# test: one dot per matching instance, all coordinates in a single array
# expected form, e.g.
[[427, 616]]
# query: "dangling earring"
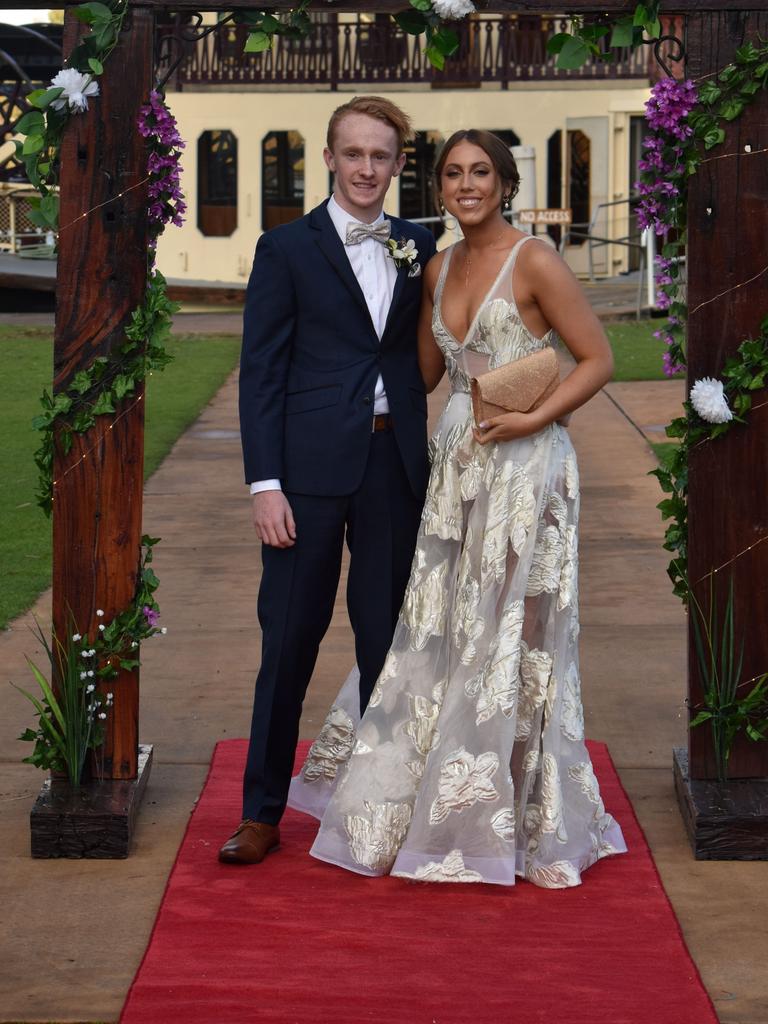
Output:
[[507, 200], [442, 208]]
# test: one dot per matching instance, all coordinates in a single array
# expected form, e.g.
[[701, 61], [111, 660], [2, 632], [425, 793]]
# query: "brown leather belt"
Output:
[[382, 421]]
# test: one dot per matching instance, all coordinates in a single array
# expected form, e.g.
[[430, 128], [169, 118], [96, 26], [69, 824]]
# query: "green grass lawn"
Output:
[[174, 400], [636, 353]]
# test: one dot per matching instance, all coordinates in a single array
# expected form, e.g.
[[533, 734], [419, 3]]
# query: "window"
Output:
[[507, 135], [217, 183], [579, 180], [282, 178], [555, 180], [416, 199], [638, 129]]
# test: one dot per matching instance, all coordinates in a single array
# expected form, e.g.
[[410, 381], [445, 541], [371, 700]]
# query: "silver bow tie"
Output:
[[357, 232]]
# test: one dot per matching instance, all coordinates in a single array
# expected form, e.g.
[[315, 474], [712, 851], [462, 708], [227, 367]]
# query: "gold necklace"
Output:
[[468, 260]]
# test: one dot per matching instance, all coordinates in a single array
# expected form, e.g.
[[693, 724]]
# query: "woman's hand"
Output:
[[509, 427]]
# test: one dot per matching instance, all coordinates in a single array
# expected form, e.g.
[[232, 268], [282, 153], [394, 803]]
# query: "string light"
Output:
[[93, 447], [727, 291], [736, 557], [747, 151], [113, 199]]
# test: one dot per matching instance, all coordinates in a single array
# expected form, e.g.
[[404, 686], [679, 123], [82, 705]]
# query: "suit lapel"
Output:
[[400, 280], [333, 249]]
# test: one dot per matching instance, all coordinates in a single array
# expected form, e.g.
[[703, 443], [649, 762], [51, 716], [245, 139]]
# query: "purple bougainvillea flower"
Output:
[[150, 615]]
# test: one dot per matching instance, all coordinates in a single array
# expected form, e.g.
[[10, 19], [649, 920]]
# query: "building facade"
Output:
[[255, 129]]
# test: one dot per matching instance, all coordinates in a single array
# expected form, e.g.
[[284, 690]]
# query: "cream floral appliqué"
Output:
[[464, 779], [375, 839], [332, 747], [450, 869]]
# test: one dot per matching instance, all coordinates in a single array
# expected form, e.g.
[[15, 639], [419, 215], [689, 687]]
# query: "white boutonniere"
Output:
[[403, 254]]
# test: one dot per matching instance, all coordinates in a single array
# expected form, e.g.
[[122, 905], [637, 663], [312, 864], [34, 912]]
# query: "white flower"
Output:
[[86, 654], [163, 630], [109, 696], [92, 651], [102, 626], [453, 9], [83, 675], [403, 254], [76, 87], [90, 688], [90, 674], [100, 612], [102, 715], [709, 401], [134, 645], [76, 637]]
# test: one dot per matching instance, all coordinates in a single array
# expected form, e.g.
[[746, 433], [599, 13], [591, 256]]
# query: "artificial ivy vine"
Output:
[[686, 126]]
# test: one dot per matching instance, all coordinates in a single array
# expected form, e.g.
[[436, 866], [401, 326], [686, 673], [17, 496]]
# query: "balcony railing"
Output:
[[499, 50]]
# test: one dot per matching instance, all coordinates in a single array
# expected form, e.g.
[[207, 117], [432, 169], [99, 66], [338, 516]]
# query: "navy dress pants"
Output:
[[298, 589]]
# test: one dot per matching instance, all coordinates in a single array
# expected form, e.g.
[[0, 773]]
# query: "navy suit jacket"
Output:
[[311, 357]]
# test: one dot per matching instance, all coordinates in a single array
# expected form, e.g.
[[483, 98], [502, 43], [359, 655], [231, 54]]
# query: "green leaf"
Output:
[[32, 144], [103, 403], [412, 22], [731, 109], [714, 137], [574, 54], [32, 123], [38, 218], [435, 56], [623, 33], [700, 719], [81, 382], [557, 42], [747, 54], [93, 13], [257, 42], [446, 41], [709, 93], [422, 5], [123, 385], [104, 36], [96, 66], [49, 207]]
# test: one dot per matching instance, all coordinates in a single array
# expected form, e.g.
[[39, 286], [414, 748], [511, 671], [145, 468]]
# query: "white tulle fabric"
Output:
[[469, 764]]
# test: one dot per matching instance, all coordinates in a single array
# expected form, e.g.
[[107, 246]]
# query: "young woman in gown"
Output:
[[469, 764]]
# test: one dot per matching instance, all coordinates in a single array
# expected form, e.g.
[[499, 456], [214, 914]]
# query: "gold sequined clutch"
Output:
[[519, 386]]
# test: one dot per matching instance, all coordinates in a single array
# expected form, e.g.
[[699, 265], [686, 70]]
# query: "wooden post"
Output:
[[728, 227], [727, 288], [102, 273]]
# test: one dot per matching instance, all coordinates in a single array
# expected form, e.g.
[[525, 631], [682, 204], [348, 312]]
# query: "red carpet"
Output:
[[297, 941]]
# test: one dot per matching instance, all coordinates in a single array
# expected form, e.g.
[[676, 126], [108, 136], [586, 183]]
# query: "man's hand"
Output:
[[273, 519]]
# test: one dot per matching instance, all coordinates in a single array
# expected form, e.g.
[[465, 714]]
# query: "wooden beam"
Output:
[[728, 226], [393, 6], [101, 278]]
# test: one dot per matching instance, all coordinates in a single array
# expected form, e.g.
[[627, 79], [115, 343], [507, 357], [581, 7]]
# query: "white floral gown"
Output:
[[469, 764]]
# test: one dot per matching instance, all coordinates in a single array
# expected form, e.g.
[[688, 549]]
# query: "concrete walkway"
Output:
[[74, 931]]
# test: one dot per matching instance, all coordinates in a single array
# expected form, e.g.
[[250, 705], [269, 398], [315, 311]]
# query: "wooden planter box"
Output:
[[95, 820], [724, 820]]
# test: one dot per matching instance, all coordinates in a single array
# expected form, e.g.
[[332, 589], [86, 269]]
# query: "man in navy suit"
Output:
[[333, 420]]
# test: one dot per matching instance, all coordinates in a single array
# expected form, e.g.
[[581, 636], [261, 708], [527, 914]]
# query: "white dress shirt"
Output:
[[376, 274]]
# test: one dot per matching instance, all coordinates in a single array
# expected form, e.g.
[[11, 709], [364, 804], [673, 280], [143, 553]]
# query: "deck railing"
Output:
[[498, 50]]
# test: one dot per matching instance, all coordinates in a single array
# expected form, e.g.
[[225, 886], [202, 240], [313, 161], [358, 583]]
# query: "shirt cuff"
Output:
[[265, 485]]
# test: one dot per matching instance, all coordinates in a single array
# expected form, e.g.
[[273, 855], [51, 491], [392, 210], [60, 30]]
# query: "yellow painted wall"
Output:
[[533, 111]]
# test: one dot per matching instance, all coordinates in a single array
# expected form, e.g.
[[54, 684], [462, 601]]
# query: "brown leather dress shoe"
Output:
[[251, 843]]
